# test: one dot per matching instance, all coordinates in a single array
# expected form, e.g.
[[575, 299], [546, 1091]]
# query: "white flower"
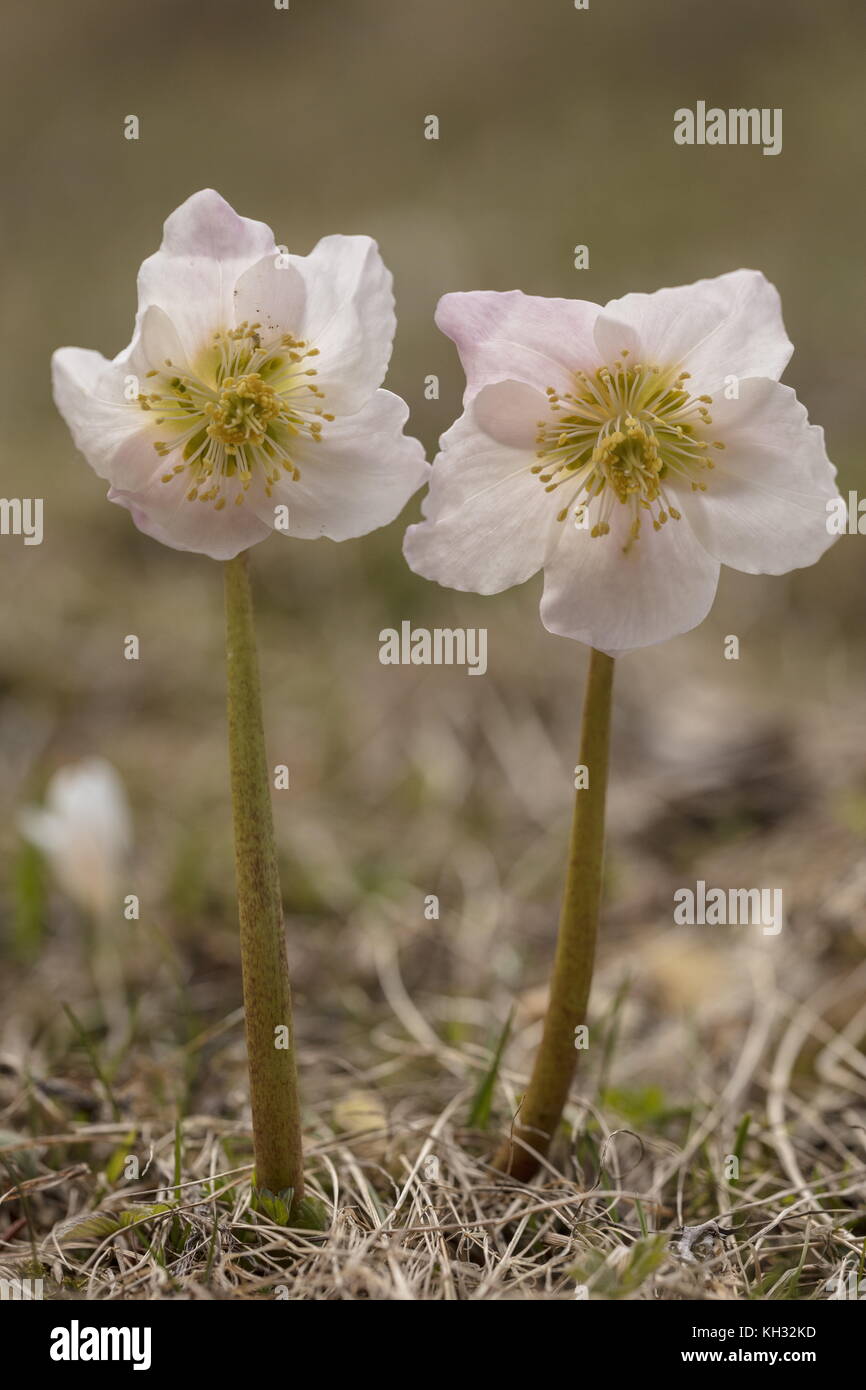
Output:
[[85, 832], [250, 385], [628, 451]]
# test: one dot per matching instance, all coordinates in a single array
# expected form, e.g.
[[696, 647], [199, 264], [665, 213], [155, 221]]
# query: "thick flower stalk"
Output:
[[267, 995], [627, 452], [249, 401], [571, 978]]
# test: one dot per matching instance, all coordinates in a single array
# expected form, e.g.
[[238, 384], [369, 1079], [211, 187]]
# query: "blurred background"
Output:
[[556, 128]]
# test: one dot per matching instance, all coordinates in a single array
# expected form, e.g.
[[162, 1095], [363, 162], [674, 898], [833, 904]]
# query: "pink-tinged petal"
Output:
[[594, 592], [723, 327], [358, 478], [206, 247], [163, 511], [348, 315], [765, 507], [519, 337], [489, 522], [88, 392]]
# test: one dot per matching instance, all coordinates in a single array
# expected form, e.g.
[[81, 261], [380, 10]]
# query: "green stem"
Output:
[[552, 1074], [267, 996]]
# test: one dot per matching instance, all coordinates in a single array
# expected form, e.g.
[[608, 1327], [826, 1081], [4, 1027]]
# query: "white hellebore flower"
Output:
[[248, 396], [628, 451], [85, 832]]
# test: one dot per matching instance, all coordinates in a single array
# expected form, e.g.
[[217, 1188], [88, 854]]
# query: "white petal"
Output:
[[115, 435], [89, 796], [358, 478], [156, 343], [163, 511], [271, 293], [206, 247], [41, 828], [727, 326], [88, 392], [85, 831], [519, 337], [765, 507], [617, 602], [348, 314], [510, 413], [489, 522]]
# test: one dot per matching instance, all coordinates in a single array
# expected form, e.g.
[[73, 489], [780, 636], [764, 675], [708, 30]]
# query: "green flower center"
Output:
[[245, 408], [238, 412], [620, 435]]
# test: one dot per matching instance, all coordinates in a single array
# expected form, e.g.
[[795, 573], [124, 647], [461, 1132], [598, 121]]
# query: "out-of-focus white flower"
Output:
[[628, 451], [248, 398], [85, 832]]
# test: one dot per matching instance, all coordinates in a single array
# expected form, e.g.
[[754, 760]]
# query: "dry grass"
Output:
[[415, 1212], [705, 1043]]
